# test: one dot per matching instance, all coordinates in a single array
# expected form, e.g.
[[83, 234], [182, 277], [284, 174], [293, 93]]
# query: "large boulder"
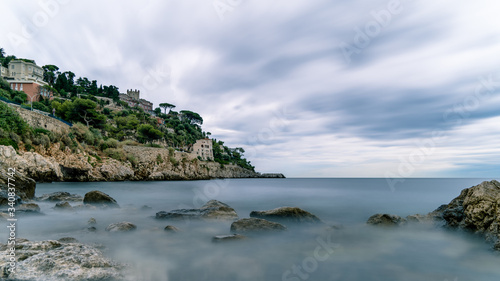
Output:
[[60, 196], [121, 227], [255, 225], [476, 209], [385, 220], [213, 209], [100, 199], [4, 199], [56, 261], [25, 186], [286, 214]]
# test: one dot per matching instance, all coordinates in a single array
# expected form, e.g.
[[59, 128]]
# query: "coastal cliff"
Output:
[[147, 163]]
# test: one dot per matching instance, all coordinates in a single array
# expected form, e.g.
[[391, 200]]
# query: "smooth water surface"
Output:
[[350, 251]]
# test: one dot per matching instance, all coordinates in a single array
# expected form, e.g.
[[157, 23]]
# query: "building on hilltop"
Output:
[[26, 77], [203, 149], [132, 98]]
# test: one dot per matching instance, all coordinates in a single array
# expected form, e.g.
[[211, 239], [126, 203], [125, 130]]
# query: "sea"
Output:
[[343, 248]]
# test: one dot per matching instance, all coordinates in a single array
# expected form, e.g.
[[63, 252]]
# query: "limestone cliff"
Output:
[[149, 163]]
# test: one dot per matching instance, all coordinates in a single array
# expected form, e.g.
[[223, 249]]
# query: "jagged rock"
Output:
[[476, 209], [286, 214], [213, 209], [4, 199], [91, 221], [63, 206], [171, 228], [25, 186], [56, 261], [67, 240], [99, 199], [385, 220], [224, 238], [60, 196], [121, 227], [255, 225]]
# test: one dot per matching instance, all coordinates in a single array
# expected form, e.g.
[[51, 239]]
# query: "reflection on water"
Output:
[[350, 251]]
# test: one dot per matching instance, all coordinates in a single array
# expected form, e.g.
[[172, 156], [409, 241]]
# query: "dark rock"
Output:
[[63, 206], [100, 199], [91, 221], [67, 240], [213, 209], [60, 196], [4, 199], [121, 227], [171, 228], [29, 208], [25, 187], [92, 229], [56, 261], [146, 207], [224, 238], [255, 225], [385, 220], [286, 214]]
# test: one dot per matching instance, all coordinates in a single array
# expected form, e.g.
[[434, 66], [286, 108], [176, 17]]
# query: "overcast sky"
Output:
[[308, 88]]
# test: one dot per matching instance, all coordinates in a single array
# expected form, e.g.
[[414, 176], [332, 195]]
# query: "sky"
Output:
[[382, 88]]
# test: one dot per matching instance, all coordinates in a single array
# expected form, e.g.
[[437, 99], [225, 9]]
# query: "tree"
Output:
[[49, 73], [7, 60], [157, 111], [192, 117], [2, 53], [166, 106], [147, 133]]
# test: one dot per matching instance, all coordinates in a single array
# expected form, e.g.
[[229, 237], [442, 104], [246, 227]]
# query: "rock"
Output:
[[63, 206], [99, 199], [25, 186], [385, 220], [29, 208], [224, 238], [4, 199], [92, 229], [121, 227], [213, 209], [91, 221], [171, 228], [146, 207], [476, 209], [56, 261], [60, 196], [286, 214], [67, 240], [255, 225]]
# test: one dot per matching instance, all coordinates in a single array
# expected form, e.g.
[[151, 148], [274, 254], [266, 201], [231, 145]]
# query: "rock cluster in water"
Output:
[[476, 209]]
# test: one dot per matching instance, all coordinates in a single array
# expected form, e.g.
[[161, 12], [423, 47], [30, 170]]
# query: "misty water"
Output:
[[351, 250]]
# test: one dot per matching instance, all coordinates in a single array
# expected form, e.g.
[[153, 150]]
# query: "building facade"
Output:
[[203, 148], [26, 77]]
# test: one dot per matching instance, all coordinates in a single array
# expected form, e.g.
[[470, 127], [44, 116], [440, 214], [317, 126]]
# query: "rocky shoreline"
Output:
[[475, 210]]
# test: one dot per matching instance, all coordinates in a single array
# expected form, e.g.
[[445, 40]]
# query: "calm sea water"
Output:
[[351, 251]]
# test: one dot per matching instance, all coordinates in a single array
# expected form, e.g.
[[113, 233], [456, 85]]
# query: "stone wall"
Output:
[[37, 120]]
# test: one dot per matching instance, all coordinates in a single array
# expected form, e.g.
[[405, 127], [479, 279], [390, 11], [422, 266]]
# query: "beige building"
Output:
[[26, 77], [203, 148], [22, 70], [4, 71]]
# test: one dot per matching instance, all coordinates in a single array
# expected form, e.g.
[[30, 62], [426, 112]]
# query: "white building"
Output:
[[203, 148]]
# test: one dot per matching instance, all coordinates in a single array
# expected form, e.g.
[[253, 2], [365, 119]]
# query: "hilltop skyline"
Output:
[[324, 89]]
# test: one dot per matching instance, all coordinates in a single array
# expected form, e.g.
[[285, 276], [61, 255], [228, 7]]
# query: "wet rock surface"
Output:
[[100, 199], [213, 209], [386, 220], [254, 225], [286, 214], [121, 227], [60, 196], [57, 261]]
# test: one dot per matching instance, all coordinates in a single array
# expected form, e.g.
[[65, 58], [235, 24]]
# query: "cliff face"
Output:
[[52, 164]]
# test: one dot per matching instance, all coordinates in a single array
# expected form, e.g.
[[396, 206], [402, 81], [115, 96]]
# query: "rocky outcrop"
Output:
[[224, 238], [254, 225], [286, 214], [56, 261], [100, 199], [25, 186], [171, 229], [385, 220], [213, 209], [56, 164], [60, 196], [121, 227], [63, 206]]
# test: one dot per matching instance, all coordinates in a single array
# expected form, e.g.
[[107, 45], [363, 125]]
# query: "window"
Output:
[[21, 87], [13, 67]]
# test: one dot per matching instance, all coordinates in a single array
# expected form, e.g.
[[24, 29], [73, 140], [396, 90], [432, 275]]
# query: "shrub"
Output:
[[9, 142], [115, 153], [42, 140], [132, 159], [159, 160], [109, 143], [174, 161]]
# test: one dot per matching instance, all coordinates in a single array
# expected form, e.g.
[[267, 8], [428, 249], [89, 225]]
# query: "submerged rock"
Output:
[[255, 225], [29, 208], [224, 238], [171, 229], [213, 209], [100, 199], [91, 221], [56, 261], [386, 220], [286, 214], [67, 240], [121, 227], [60, 196], [63, 206]]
